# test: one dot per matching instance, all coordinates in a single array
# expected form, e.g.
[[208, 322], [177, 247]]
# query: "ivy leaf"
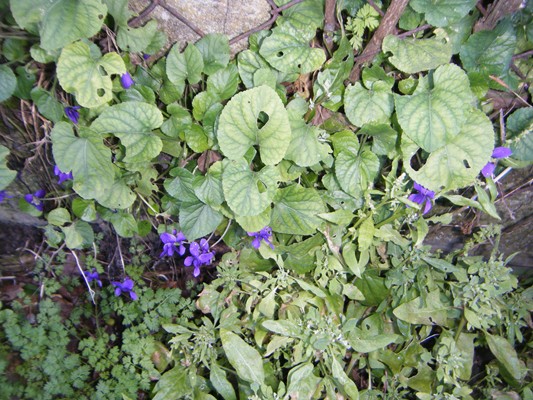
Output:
[[66, 21], [244, 358], [456, 164], [198, 219], [442, 13], [356, 172], [520, 134], [255, 117], [491, 51], [296, 210], [6, 175], [86, 156], [215, 52], [132, 122], [415, 55], [184, 66], [432, 117], [136, 39], [8, 82], [363, 106], [248, 193], [86, 76], [288, 50]]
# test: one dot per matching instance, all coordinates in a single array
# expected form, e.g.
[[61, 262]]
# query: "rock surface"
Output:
[[230, 17]]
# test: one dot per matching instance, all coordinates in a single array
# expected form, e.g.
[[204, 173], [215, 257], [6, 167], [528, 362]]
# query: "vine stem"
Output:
[[91, 292]]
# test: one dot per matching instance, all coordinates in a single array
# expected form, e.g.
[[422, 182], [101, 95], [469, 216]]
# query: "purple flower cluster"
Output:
[[264, 234], [126, 286], [199, 252]]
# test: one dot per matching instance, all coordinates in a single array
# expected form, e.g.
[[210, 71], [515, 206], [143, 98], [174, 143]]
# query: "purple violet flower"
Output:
[[72, 113], [498, 152], [264, 234], [146, 56], [200, 255], [125, 287], [93, 276], [4, 195], [424, 197], [35, 199], [126, 80], [62, 175], [171, 241]]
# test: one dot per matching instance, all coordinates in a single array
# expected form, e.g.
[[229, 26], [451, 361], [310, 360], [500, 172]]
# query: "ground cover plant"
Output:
[[252, 227]]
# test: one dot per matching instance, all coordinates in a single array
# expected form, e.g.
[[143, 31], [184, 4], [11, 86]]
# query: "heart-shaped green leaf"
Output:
[[198, 219], [355, 172], [255, 117], [363, 106], [86, 76], [442, 13], [184, 66], [132, 122]]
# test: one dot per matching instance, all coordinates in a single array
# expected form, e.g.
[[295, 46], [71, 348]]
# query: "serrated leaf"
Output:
[[248, 193], [198, 219], [217, 377], [288, 50], [489, 52], [184, 66], [433, 117], [442, 13], [296, 210], [8, 82], [415, 55], [86, 156], [66, 21], [244, 358], [215, 52], [6, 175], [136, 39], [427, 310], [132, 122], [363, 106], [456, 164], [86, 76], [78, 235], [520, 134], [242, 125], [356, 172]]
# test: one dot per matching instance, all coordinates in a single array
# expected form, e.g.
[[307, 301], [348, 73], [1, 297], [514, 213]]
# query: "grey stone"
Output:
[[230, 17]]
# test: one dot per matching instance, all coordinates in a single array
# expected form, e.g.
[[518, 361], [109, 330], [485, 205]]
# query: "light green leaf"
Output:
[[288, 50], [119, 10], [305, 148], [132, 122], [283, 327], [29, 13], [84, 209], [425, 311], [184, 66], [255, 117], [338, 217], [302, 382], [366, 234], [181, 186], [136, 39], [249, 62], [218, 379], [433, 117], [506, 355], [215, 52], [123, 222], [224, 82], [196, 138], [8, 82], [296, 210], [198, 219], [58, 216], [6, 175], [356, 266], [248, 193], [458, 163], [119, 196], [66, 21], [363, 106], [86, 76], [78, 235], [256, 222], [305, 15], [47, 104], [348, 386], [490, 51], [244, 358], [415, 55], [384, 138], [354, 172], [202, 102], [208, 188], [443, 12], [363, 341], [520, 134], [86, 156]]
